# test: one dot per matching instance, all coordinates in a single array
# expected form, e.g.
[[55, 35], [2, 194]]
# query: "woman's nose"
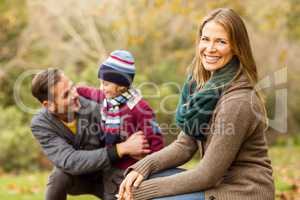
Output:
[[211, 47]]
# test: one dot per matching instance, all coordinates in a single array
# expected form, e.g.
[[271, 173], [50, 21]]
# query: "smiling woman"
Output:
[[221, 115], [214, 46]]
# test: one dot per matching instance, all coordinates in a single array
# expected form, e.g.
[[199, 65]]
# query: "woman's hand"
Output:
[[133, 179]]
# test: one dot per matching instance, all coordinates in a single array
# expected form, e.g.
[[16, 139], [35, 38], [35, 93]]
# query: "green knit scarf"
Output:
[[195, 108]]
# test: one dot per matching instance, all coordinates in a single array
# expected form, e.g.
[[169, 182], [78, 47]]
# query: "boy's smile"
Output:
[[110, 89]]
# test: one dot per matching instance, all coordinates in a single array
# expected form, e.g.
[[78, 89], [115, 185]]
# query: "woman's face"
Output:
[[214, 46]]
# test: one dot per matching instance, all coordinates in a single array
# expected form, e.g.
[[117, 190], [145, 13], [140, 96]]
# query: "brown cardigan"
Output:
[[235, 163]]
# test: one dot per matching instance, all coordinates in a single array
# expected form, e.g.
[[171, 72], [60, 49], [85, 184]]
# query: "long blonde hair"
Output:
[[240, 44]]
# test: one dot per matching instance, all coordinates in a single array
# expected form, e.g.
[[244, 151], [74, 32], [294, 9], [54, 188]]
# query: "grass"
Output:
[[285, 160], [28, 187]]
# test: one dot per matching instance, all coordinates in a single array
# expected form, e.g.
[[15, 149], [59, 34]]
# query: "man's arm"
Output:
[[70, 160]]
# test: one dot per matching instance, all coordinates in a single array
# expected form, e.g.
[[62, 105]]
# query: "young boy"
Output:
[[123, 110]]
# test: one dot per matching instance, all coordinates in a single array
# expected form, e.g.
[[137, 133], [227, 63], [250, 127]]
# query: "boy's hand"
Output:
[[135, 145]]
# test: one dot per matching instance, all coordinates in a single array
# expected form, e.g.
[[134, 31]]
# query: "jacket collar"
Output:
[[87, 107], [240, 82]]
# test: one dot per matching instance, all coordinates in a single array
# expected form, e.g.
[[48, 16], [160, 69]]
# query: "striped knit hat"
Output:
[[118, 68]]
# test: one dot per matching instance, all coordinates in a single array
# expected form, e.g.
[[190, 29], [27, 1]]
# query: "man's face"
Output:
[[65, 97]]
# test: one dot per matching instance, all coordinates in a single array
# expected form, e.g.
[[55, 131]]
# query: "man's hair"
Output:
[[43, 81]]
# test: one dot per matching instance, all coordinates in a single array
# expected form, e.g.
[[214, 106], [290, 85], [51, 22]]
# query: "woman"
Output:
[[222, 116]]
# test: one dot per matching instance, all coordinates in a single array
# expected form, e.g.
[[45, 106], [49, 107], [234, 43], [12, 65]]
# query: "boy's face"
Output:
[[110, 89]]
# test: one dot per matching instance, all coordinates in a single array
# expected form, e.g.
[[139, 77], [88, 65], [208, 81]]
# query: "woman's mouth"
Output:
[[211, 59]]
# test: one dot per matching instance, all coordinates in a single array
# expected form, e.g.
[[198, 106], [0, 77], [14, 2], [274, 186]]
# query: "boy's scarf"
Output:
[[110, 114], [195, 108]]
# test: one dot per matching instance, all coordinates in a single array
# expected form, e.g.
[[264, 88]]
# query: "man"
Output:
[[67, 128]]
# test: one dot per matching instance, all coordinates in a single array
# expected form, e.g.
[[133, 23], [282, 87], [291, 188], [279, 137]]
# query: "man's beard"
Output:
[[66, 114]]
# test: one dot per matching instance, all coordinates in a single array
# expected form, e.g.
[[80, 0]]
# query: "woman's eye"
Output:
[[222, 42], [204, 39]]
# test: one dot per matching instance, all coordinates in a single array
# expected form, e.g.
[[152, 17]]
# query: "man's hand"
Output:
[[136, 145], [133, 179]]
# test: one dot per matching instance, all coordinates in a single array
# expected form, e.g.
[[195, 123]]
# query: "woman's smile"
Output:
[[214, 47], [211, 59]]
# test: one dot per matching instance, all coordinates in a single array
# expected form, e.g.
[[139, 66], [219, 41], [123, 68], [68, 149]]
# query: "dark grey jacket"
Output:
[[77, 154]]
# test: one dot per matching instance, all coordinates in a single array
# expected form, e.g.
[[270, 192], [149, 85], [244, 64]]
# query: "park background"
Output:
[[76, 35]]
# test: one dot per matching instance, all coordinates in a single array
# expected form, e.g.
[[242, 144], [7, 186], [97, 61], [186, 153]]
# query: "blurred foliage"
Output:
[[13, 20], [18, 149], [294, 20], [38, 34]]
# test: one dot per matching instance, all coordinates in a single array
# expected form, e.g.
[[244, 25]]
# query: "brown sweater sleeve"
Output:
[[175, 154], [232, 121]]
